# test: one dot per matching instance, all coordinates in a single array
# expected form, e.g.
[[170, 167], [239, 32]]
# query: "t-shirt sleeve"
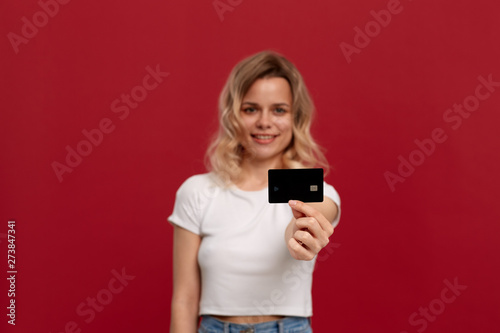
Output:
[[186, 212], [330, 192]]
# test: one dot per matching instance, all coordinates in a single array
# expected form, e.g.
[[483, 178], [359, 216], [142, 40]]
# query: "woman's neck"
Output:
[[253, 175]]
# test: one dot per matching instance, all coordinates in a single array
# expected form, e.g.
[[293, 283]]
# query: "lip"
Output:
[[264, 138]]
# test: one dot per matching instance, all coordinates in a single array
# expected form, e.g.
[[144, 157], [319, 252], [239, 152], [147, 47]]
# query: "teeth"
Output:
[[264, 137]]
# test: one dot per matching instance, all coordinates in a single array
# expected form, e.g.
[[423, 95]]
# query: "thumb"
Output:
[[296, 214]]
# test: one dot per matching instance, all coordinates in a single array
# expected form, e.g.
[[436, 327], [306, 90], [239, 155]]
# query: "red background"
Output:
[[393, 248]]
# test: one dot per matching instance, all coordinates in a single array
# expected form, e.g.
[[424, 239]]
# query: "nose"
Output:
[[264, 120]]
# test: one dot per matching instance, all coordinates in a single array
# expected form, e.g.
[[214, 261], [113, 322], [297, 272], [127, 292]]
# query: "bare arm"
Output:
[[310, 228], [186, 279]]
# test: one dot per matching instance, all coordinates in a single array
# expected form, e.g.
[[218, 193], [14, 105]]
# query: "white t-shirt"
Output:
[[245, 265]]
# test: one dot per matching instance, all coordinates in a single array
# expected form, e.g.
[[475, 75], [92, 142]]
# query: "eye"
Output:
[[280, 110], [249, 110]]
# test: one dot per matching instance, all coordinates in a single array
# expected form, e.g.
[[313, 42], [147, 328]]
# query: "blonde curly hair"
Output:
[[225, 153]]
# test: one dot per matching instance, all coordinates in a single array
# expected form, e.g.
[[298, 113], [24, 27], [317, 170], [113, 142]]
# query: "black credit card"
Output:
[[295, 184]]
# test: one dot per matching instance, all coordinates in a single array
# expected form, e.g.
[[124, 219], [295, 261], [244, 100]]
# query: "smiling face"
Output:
[[266, 114]]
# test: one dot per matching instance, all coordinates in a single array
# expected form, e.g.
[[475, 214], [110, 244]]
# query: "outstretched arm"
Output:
[[310, 228]]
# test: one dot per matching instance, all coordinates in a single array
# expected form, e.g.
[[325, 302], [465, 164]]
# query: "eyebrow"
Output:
[[275, 104]]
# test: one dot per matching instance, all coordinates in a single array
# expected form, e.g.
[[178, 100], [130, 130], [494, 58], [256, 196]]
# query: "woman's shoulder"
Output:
[[331, 192], [200, 183]]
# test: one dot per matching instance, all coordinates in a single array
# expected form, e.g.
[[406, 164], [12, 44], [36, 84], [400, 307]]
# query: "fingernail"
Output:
[[292, 202]]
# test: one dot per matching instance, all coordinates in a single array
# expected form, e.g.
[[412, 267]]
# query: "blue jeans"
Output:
[[286, 325]]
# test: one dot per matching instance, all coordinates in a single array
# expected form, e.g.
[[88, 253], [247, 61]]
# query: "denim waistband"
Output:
[[210, 324]]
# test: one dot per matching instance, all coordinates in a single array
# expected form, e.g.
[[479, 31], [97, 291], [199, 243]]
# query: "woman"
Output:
[[240, 263]]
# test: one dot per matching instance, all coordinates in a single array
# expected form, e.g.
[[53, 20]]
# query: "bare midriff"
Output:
[[248, 319]]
